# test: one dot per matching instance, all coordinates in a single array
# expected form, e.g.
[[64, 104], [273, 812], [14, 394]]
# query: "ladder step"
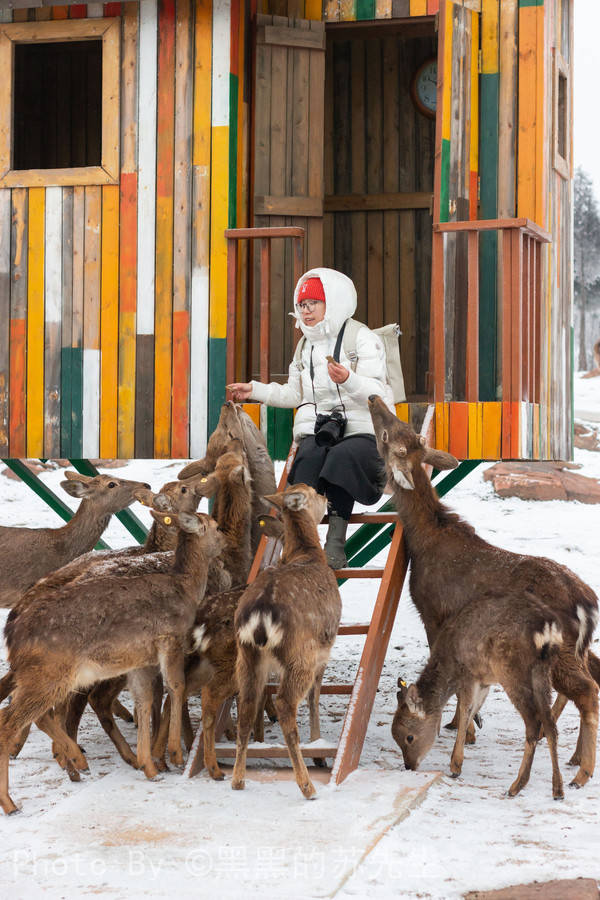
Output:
[[330, 688], [370, 518], [359, 573], [275, 751], [353, 629]]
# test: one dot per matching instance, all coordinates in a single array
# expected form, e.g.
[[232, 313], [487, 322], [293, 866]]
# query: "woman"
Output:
[[349, 469]]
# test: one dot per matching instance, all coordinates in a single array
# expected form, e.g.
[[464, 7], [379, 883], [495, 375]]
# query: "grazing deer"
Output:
[[102, 627], [27, 554], [497, 638], [286, 620], [235, 424], [452, 566]]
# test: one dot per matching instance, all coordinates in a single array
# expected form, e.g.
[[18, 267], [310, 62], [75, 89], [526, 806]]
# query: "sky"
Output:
[[586, 88]]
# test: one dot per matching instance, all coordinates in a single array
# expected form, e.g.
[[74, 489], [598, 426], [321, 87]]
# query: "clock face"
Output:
[[425, 87]]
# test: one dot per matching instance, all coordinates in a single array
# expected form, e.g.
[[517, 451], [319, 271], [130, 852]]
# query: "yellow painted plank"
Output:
[[403, 412], [442, 425], [313, 9], [418, 7], [253, 410], [475, 430], [218, 224], [35, 322], [109, 322], [489, 37], [492, 431], [447, 92]]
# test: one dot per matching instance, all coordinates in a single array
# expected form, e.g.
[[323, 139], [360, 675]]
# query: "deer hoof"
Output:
[[238, 784], [576, 785], [308, 790], [575, 760], [215, 773]]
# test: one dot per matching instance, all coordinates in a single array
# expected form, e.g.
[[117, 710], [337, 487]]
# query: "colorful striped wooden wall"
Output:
[[114, 321]]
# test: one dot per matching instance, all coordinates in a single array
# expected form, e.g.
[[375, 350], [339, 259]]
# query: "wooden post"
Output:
[[437, 318], [516, 313], [265, 317]]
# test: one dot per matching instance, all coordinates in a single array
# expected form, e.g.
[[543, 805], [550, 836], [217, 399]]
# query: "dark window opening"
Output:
[[57, 105], [562, 115]]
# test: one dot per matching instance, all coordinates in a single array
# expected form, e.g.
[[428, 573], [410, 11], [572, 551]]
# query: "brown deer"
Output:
[[27, 554], [497, 638], [132, 624], [235, 424], [286, 620], [452, 566]]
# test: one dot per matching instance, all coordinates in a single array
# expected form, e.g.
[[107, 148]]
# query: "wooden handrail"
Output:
[[521, 307], [265, 235]]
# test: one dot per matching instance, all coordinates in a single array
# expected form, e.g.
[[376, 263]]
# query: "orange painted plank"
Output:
[[516, 451], [403, 412], [35, 322], [492, 431], [442, 417], [163, 317], [458, 439], [253, 410], [127, 312], [475, 430], [181, 368]]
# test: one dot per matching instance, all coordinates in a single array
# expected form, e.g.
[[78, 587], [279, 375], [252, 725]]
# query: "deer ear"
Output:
[[414, 702], [271, 526], [191, 523], [439, 459], [75, 488], [383, 436], [274, 499], [241, 475], [146, 497], [295, 500], [77, 476], [199, 467]]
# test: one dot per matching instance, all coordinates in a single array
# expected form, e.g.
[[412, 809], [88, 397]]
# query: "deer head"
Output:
[[401, 448], [108, 492], [297, 497], [413, 729], [228, 429]]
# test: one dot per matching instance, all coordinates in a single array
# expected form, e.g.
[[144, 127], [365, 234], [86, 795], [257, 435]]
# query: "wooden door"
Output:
[[288, 162]]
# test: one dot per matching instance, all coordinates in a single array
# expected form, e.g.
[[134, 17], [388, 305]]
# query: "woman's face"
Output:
[[312, 311]]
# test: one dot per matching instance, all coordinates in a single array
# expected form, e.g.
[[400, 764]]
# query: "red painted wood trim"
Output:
[[458, 441], [506, 315], [79, 11], [516, 238], [111, 10]]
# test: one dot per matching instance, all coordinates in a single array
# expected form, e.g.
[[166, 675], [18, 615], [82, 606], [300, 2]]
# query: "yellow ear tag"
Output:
[[167, 520], [402, 683], [261, 522], [203, 480]]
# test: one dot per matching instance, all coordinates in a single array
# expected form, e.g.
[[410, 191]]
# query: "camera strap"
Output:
[[336, 356]]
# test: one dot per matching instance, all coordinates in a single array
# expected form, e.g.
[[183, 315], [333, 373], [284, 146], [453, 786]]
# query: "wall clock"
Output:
[[423, 88]]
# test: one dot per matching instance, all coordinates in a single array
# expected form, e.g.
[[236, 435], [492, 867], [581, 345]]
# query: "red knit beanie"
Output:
[[311, 289]]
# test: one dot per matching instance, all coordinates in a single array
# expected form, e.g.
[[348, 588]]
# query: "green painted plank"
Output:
[[217, 354], [445, 185], [524, 3], [131, 522], [488, 246], [45, 493], [365, 9], [233, 148], [76, 446], [279, 432]]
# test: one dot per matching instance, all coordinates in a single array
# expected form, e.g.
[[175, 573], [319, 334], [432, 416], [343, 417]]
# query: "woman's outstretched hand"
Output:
[[240, 390], [337, 372]]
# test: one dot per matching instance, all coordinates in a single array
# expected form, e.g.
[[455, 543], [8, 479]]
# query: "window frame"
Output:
[[561, 164], [61, 31]]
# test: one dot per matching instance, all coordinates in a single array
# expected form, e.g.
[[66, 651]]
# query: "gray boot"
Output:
[[334, 542]]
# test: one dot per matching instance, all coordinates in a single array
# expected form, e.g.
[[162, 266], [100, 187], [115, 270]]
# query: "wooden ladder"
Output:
[[346, 754]]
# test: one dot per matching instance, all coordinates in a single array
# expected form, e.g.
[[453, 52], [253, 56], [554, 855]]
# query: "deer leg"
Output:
[[286, 704], [525, 702], [157, 702], [464, 707], [67, 753], [18, 742], [140, 684], [159, 746], [571, 678], [172, 668], [314, 696], [102, 699], [251, 677], [213, 697], [258, 729], [270, 709], [121, 711], [7, 684], [72, 711], [187, 728]]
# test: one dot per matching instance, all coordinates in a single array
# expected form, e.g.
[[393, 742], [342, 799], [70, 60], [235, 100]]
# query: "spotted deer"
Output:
[[451, 567]]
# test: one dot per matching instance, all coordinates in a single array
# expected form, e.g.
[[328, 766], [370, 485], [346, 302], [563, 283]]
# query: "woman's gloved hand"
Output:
[[240, 390], [337, 372]]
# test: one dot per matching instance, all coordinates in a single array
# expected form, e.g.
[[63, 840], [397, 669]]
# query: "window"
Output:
[[561, 124], [59, 103]]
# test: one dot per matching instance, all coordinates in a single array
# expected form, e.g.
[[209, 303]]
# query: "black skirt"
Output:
[[353, 464]]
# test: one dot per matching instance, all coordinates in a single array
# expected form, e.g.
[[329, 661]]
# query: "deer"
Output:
[[497, 638], [235, 424], [28, 554], [286, 620], [102, 627], [452, 566]]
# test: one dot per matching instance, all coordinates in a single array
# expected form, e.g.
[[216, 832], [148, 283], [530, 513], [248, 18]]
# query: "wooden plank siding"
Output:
[[113, 315]]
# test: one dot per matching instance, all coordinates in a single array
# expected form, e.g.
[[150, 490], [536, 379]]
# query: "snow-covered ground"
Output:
[[117, 835]]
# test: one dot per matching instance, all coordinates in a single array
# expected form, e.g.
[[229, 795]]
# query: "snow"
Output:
[[118, 835]]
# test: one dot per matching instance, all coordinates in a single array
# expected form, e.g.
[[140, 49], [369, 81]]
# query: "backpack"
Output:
[[388, 334]]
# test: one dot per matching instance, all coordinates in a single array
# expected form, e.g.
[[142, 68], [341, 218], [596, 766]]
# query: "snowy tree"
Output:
[[587, 261]]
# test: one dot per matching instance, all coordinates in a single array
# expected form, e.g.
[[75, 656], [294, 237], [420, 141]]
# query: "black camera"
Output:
[[329, 429]]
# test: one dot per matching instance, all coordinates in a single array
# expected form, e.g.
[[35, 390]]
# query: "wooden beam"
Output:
[[387, 201], [288, 206]]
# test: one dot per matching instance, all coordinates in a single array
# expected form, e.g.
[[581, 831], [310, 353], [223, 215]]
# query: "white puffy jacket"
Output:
[[370, 376]]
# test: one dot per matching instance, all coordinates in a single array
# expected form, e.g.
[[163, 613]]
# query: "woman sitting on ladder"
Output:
[[337, 453]]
